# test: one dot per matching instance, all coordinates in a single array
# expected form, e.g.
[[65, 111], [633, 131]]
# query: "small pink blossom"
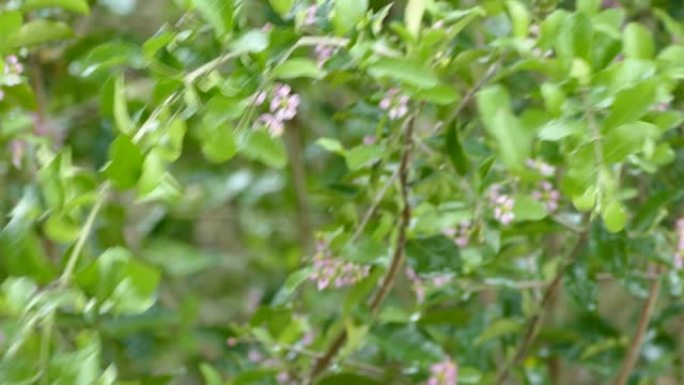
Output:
[[254, 356], [274, 125], [13, 66], [548, 195], [678, 259], [231, 342], [333, 272], [395, 104], [323, 54], [543, 168], [260, 98], [268, 27], [443, 373], [503, 209], [441, 280], [310, 18], [460, 234], [369, 140]]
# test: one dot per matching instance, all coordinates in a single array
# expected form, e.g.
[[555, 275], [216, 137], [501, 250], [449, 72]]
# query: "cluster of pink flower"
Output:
[[11, 66], [542, 167], [328, 270], [678, 260], [548, 195], [460, 234], [282, 107], [503, 205], [418, 284], [443, 373], [395, 103]]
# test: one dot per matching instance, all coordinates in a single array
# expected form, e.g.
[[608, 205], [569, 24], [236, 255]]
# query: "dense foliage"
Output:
[[341, 192]]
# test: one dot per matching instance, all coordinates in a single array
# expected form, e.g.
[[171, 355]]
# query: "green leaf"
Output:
[[495, 111], [253, 41], [499, 328], [125, 163], [413, 15], [218, 13], [61, 229], [211, 376], [440, 94], [219, 145], [120, 107], [406, 344], [433, 254], [347, 378], [520, 17], [404, 70], [614, 216], [455, 151], [10, 22], [38, 32], [298, 68], [120, 282], [258, 145], [363, 155], [627, 139], [155, 182], [528, 209], [631, 104], [637, 42], [347, 14], [282, 7], [332, 145], [78, 6], [575, 38], [590, 7]]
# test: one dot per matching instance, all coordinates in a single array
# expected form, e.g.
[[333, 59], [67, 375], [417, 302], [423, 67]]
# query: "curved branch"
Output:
[[638, 338], [535, 322], [397, 259]]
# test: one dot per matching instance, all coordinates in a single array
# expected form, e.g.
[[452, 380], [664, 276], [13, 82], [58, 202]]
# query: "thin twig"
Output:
[[535, 322], [397, 259], [638, 338], [374, 206], [489, 74]]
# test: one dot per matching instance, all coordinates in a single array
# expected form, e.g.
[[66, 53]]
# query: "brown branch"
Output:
[[397, 258], [638, 338], [535, 322]]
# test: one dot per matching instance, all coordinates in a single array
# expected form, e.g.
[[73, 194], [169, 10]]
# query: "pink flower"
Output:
[[327, 270], [283, 105], [268, 27], [461, 234], [311, 15], [503, 209], [274, 125], [543, 168], [13, 66], [441, 280], [259, 98], [548, 195], [254, 356], [369, 140], [678, 259], [443, 373], [323, 54], [395, 104], [231, 342]]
